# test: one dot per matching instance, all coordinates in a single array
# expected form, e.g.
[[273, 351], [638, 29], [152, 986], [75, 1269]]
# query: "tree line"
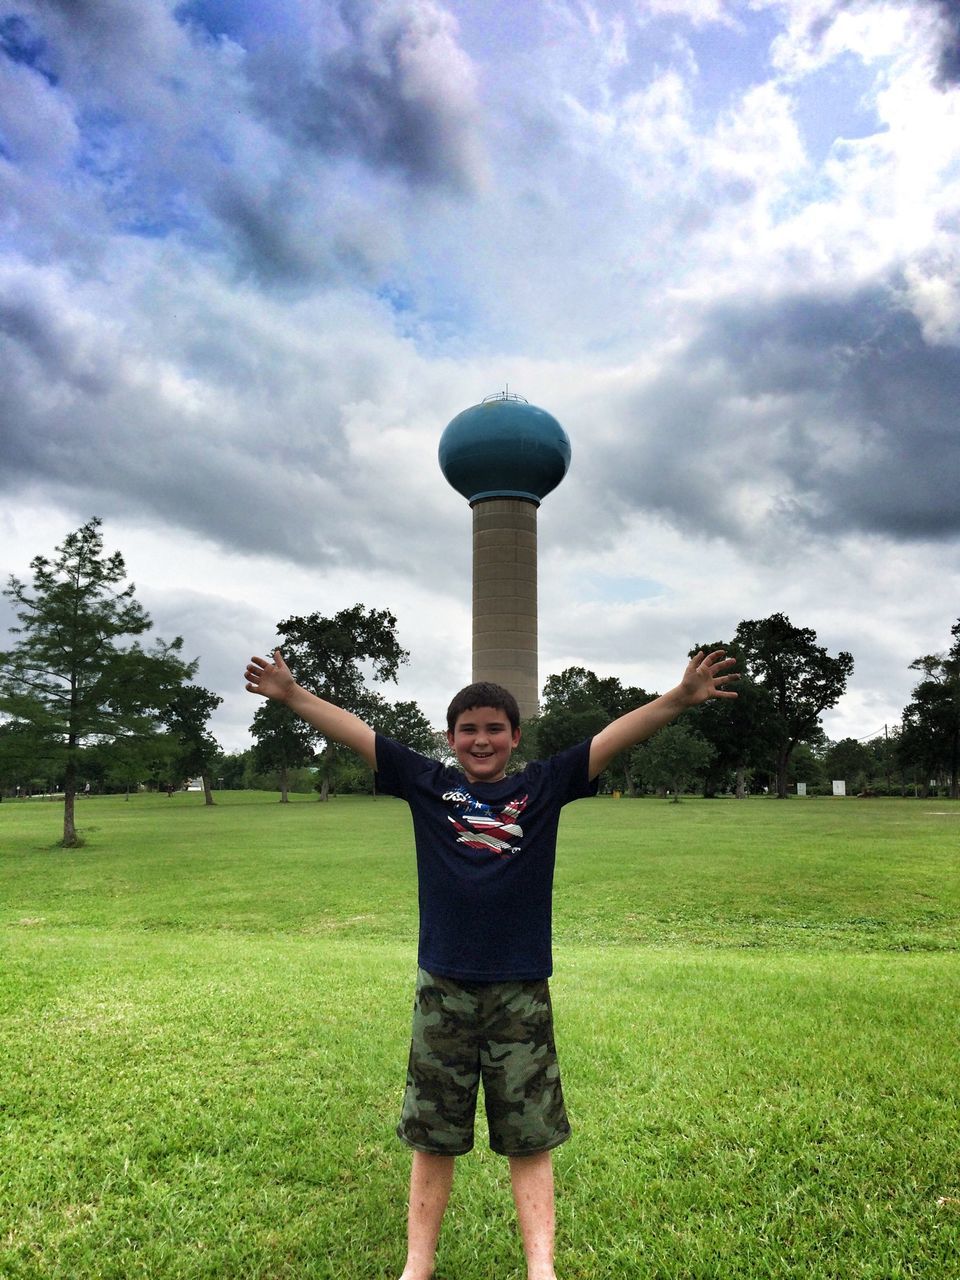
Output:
[[771, 738], [85, 704]]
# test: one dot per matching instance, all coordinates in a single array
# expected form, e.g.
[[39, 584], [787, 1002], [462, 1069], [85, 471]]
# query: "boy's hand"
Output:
[[270, 679], [273, 680], [705, 676]]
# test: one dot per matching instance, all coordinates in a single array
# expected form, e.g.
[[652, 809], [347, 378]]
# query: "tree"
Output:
[[22, 753], [886, 760], [326, 656], [186, 717], [672, 758], [74, 675], [402, 721], [806, 765], [930, 734], [741, 731], [125, 762], [577, 704], [282, 742], [802, 679], [441, 750], [852, 761], [233, 768], [406, 723], [527, 751], [570, 711]]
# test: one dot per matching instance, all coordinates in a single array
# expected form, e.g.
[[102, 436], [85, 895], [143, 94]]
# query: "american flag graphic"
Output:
[[479, 827]]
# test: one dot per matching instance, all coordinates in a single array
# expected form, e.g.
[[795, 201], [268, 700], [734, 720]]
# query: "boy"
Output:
[[485, 852]]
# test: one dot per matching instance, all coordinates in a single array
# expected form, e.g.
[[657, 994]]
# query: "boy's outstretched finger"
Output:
[[254, 672]]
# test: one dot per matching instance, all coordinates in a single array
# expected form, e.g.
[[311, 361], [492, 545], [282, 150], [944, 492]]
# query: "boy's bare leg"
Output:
[[430, 1180], [532, 1180]]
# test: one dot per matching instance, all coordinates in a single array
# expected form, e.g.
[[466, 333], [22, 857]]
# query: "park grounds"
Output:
[[205, 1015]]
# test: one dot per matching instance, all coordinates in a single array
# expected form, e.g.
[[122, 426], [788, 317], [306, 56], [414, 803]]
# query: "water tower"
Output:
[[505, 455]]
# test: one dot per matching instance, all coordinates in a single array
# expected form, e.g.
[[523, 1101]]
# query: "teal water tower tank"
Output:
[[504, 447]]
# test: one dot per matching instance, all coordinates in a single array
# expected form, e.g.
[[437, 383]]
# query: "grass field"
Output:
[[204, 1019]]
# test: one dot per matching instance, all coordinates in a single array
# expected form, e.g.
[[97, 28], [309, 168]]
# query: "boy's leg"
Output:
[[430, 1180], [531, 1178]]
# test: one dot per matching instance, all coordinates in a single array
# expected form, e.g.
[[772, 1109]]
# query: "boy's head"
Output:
[[483, 694], [483, 728]]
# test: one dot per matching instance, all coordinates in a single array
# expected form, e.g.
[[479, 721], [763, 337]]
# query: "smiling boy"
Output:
[[483, 739], [486, 846]]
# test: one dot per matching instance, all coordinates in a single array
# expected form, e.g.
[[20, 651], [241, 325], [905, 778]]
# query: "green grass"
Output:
[[204, 1019]]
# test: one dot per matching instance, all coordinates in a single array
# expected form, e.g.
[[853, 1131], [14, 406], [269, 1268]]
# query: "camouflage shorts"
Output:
[[501, 1032]]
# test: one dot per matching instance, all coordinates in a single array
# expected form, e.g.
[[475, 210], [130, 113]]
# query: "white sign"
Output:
[[801, 788], [839, 788]]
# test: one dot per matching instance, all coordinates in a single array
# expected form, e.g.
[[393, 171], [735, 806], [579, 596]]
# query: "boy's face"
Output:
[[483, 741]]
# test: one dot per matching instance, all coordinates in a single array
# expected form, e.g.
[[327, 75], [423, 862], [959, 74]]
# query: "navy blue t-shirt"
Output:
[[485, 858]]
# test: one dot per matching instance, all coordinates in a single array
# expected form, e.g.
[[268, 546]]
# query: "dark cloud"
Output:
[[383, 83], [227, 429], [108, 46], [837, 408], [268, 238], [874, 444], [23, 323], [948, 65], [262, 134], [394, 94], [123, 460], [21, 43], [35, 336]]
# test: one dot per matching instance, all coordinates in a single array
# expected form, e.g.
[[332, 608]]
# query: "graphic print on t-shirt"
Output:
[[480, 826]]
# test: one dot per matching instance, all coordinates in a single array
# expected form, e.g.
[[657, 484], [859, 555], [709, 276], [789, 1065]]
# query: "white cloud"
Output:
[[933, 291], [37, 127], [817, 32], [698, 12]]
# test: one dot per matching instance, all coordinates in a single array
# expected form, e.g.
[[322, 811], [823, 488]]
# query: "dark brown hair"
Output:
[[484, 694]]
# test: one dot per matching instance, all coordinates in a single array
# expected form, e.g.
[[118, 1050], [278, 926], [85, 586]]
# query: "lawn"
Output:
[[205, 1015]]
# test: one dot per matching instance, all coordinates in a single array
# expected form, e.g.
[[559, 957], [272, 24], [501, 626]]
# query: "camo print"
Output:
[[500, 1031]]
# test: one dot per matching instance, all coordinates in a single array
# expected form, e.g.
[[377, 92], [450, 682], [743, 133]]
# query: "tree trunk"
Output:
[[326, 763], [783, 762], [284, 797], [628, 784], [70, 840], [207, 788], [741, 790]]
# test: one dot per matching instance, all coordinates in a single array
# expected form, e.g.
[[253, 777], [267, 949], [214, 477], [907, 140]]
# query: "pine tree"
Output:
[[77, 676]]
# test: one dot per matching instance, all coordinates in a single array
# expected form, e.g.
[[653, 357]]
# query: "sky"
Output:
[[255, 254]]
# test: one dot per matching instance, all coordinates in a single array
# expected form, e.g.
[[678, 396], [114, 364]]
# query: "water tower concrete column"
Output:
[[505, 597], [505, 455]]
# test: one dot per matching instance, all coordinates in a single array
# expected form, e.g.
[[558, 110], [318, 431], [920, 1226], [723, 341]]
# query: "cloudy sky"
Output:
[[255, 254]]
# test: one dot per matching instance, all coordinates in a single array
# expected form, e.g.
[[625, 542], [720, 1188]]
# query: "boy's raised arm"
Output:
[[703, 679], [273, 680]]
